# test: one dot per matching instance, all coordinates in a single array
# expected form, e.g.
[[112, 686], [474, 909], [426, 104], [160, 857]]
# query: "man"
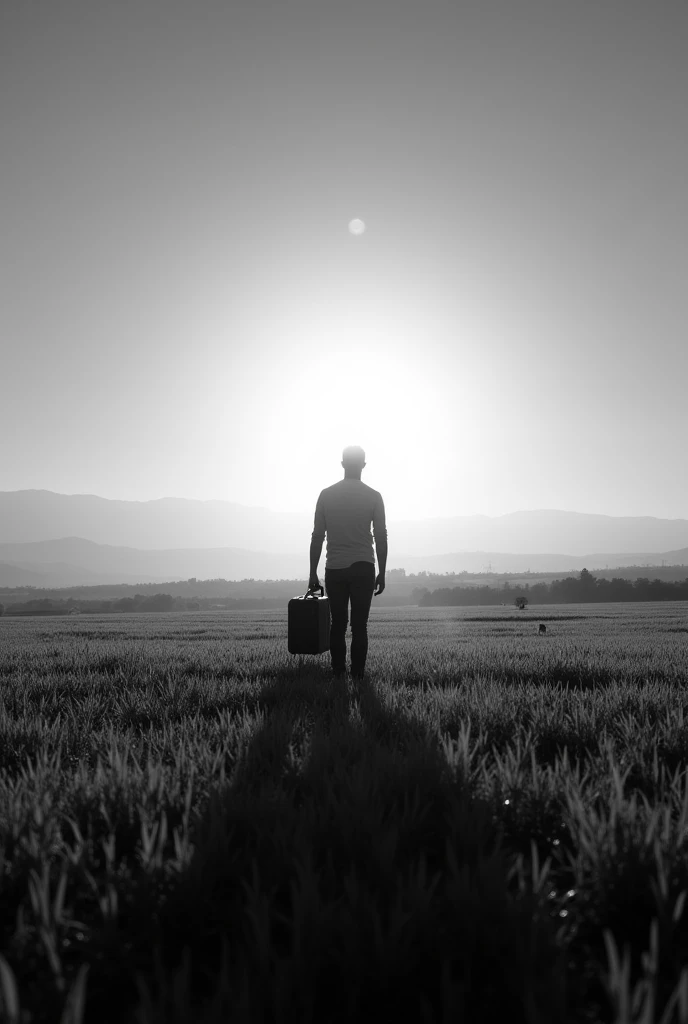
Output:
[[345, 512]]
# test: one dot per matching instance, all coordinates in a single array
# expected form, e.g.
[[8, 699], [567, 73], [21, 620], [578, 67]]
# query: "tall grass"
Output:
[[493, 826]]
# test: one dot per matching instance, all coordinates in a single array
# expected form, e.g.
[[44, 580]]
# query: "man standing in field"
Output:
[[344, 512]]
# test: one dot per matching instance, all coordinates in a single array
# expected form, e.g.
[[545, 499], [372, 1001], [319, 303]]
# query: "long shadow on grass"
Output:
[[343, 874]]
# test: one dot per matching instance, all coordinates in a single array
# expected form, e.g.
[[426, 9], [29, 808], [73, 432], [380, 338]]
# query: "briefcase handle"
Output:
[[311, 593]]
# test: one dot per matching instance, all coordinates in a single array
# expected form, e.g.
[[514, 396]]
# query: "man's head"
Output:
[[353, 459]]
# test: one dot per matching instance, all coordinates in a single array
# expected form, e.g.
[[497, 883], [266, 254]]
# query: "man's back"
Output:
[[345, 512]]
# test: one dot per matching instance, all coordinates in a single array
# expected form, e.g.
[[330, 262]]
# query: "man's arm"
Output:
[[380, 534], [317, 538], [315, 553], [381, 551]]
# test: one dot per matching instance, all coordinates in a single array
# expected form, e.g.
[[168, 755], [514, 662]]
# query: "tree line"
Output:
[[140, 603], [572, 590]]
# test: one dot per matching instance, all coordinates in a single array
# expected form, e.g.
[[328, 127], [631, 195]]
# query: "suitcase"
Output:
[[308, 624]]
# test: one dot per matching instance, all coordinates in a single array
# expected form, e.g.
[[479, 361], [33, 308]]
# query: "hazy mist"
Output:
[[57, 539]]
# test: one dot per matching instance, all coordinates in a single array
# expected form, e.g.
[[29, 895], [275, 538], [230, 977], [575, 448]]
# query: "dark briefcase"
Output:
[[308, 624]]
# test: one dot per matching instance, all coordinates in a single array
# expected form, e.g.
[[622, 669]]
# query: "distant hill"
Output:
[[179, 523], [28, 516], [70, 561], [54, 540], [540, 532], [73, 561], [17, 576], [499, 561], [64, 574]]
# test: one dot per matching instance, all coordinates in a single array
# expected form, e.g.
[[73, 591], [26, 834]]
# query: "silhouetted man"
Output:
[[344, 512]]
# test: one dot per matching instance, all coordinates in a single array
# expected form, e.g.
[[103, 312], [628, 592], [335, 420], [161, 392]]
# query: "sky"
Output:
[[185, 312]]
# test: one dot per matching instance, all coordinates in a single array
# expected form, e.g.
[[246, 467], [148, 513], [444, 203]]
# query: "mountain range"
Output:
[[49, 539], [70, 561]]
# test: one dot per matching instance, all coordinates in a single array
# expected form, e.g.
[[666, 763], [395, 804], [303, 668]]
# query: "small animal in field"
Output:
[[542, 629]]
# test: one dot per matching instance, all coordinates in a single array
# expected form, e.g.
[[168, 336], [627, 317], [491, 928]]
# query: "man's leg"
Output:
[[362, 587], [338, 593]]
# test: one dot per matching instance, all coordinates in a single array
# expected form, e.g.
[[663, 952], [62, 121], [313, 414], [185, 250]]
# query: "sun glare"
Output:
[[353, 356], [384, 400]]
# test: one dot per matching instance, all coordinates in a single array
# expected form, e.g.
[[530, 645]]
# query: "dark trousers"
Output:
[[356, 583]]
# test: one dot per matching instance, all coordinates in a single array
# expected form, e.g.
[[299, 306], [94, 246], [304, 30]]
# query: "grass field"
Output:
[[492, 827]]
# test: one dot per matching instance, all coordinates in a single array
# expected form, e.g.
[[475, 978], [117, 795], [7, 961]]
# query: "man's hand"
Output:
[[380, 584], [313, 582]]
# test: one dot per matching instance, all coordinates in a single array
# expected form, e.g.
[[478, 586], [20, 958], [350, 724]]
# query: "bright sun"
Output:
[[377, 397]]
